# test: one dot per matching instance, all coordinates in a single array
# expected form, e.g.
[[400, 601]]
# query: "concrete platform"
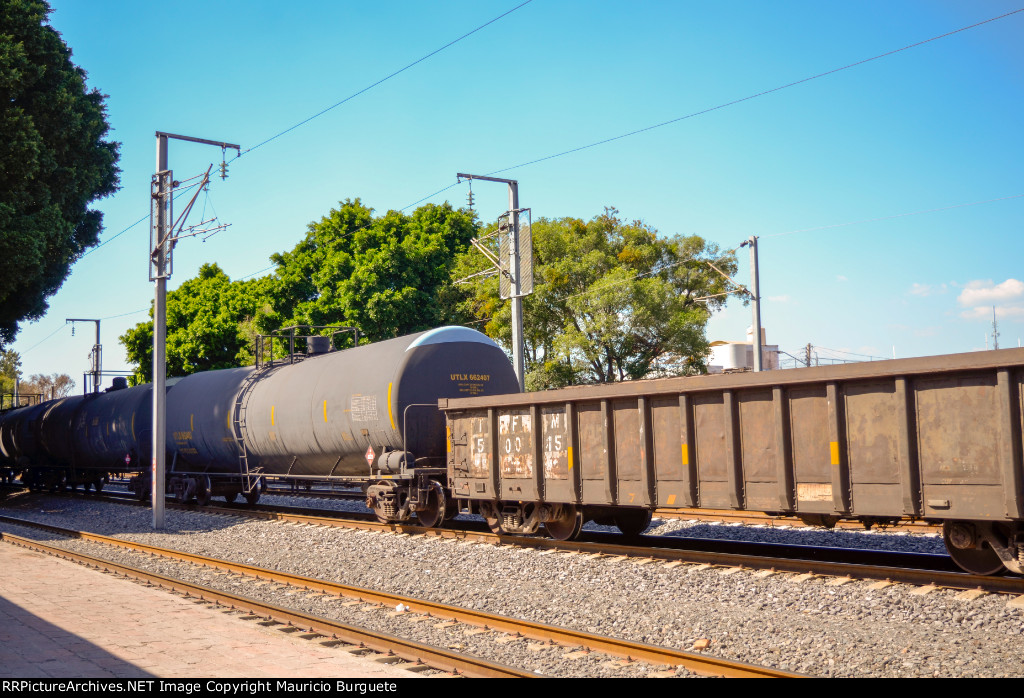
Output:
[[59, 619]]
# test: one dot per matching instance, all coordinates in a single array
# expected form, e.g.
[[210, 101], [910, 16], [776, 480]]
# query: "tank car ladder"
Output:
[[250, 477]]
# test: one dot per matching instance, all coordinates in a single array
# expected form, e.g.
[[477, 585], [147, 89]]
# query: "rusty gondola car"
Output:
[[935, 438]]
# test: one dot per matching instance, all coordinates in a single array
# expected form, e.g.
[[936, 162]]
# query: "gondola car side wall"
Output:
[[935, 437]]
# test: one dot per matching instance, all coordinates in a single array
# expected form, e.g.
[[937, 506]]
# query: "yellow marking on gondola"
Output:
[[686, 454], [671, 499], [834, 448], [391, 415], [272, 415], [325, 411], [570, 458], [448, 438]]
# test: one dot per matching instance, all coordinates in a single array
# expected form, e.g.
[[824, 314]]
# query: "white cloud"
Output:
[[926, 289], [984, 312], [987, 293], [840, 277]]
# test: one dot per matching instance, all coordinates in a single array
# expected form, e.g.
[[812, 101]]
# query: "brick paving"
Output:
[[59, 619]]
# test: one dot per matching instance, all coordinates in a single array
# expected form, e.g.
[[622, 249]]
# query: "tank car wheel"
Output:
[[252, 496], [98, 485], [982, 561], [568, 526], [632, 522], [433, 513], [231, 497], [203, 490]]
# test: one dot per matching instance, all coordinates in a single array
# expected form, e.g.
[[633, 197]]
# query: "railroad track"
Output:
[[919, 569], [418, 653]]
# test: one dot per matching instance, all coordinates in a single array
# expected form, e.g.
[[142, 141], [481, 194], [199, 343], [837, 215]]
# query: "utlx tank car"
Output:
[[367, 414]]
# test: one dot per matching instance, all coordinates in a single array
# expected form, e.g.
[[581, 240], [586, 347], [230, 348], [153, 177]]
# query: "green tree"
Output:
[[612, 301], [54, 162], [388, 276], [10, 370], [209, 326]]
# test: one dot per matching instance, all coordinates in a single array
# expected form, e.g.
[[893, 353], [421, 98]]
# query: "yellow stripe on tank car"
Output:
[[271, 415], [325, 411], [391, 414]]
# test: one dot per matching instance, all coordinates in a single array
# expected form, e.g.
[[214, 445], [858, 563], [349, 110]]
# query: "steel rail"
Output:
[[563, 636], [947, 579], [409, 650]]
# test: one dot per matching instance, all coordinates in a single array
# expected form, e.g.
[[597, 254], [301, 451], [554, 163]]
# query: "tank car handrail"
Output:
[[292, 336]]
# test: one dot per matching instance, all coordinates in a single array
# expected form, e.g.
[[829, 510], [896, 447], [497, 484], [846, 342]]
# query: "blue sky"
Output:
[[887, 197]]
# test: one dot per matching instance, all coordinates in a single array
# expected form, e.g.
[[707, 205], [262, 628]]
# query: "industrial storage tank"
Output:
[[333, 414]]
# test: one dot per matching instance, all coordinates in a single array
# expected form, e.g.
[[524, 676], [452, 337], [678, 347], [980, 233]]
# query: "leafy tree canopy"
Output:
[[612, 301], [209, 326], [388, 275], [10, 370], [54, 162]]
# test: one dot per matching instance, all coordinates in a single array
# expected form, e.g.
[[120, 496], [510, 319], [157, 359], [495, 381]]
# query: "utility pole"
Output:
[[756, 297], [807, 354], [95, 358], [514, 271], [995, 330], [160, 267]]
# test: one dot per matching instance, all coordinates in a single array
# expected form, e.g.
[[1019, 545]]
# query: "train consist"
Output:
[[431, 425], [367, 414]]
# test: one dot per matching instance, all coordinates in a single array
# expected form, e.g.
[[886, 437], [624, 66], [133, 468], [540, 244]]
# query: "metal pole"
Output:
[[518, 361], [96, 361], [756, 346], [159, 347]]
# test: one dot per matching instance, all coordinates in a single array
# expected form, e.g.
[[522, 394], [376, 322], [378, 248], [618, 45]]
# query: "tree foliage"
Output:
[[209, 326], [54, 162], [612, 301], [387, 276], [10, 370]]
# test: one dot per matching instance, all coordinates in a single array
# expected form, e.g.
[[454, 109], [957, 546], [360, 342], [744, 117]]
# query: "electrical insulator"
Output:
[[223, 170]]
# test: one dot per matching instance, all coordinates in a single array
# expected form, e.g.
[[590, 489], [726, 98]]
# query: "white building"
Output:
[[727, 356]]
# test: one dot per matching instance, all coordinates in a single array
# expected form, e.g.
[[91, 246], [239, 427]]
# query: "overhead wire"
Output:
[[382, 80], [618, 137], [754, 96]]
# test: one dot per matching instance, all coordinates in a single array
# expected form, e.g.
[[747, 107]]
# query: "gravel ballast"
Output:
[[814, 626]]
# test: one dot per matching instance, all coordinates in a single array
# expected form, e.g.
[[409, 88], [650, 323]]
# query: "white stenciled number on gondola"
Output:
[[479, 444]]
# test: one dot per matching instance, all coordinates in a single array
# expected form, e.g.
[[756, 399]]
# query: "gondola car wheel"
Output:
[[632, 522], [982, 561], [568, 526]]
